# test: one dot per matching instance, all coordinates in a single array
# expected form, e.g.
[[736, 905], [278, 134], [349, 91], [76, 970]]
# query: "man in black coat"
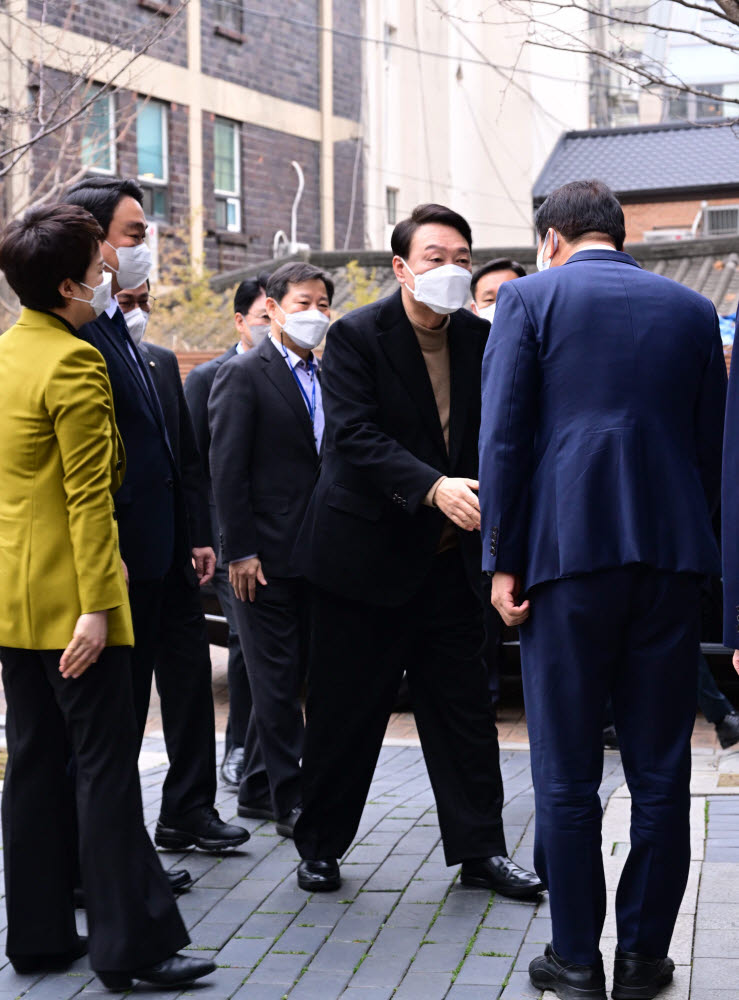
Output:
[[266, 422], [163, 529], [391, 543], [252, 325]]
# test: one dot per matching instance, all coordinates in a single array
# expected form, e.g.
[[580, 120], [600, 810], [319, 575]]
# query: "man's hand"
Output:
[[244, 576], [204, 561], [504, 598], [454, 497], [87, 644], [125, 574], [735, 660]]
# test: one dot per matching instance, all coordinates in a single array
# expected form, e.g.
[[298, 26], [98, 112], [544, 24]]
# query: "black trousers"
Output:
[[132, 916], [172, 642], [274, 634], [239, 692], [632, 633], [359, 652], [239, 695]]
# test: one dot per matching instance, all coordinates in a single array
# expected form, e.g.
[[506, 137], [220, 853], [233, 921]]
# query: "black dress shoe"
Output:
[[319, 876], [232, 768], [180, 880], [174, 971], [728, 730], [610, 738], [256, 809], [636, 977], [503, 876], [285, 825], [49, 962], [568, 980], [205, 830]]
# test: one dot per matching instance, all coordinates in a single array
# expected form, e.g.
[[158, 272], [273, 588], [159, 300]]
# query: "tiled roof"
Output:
[[645, 158]]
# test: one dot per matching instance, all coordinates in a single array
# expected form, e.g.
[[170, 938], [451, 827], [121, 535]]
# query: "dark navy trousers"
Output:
[[632, 633]]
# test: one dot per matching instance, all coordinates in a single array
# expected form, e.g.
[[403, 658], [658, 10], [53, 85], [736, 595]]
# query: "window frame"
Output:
[[164, 112], [232, 8], [109, 97], [230, 198]]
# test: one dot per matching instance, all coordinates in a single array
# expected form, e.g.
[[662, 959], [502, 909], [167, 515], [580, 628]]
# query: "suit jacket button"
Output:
[[169, 481], [119, 464]]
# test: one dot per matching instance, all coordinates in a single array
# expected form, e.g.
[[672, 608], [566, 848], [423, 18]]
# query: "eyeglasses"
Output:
[[128, 302]]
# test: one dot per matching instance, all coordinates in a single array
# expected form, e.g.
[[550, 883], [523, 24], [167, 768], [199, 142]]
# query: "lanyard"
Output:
[[310, 403]]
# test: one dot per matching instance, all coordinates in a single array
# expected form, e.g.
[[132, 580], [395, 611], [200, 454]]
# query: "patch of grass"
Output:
[[471, 942], [306, 925], [495, 954], [276, 951]]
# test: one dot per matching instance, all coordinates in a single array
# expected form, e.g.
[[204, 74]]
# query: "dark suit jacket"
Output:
[[367, 534], [263, 457], [165, 372], [602, 413], [198, 384], [730, 504], [150, 506]]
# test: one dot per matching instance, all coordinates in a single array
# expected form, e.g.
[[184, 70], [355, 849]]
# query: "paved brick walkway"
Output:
[[402, 927]]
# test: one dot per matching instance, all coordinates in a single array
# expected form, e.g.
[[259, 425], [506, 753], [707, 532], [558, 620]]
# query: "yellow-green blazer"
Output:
[[60, 461]]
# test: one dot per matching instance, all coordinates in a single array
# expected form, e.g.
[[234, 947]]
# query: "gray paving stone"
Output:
[[519, 987], [398, 941], [511, 916], [244, 953], [717, 943], [387, 970], [439, 957], [360, 993], [423, 986], [411, 914], [307, 939], [319, 986], [208, 934], [276, 967], [452, 929], [375, 902], [715, 916], [728, 855], [260, 991], [322, 912], [540, 930], [715, 973], [503, 943], [530, 950], [478, 969], [268, 925], [339, 956], [425, 891], [462, 901], [59, 987], [357, 927], [368, 854]]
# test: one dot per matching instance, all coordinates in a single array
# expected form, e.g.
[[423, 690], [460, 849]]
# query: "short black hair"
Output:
[[499, 264], [582, 207], [295, 274], [422, 215], [100, 196], [248, 292], [43, 248]]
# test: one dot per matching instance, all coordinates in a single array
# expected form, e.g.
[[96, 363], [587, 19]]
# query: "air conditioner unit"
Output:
[[667, 235]]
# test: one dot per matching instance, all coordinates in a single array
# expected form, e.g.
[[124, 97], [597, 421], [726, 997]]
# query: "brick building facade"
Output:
[[211, 117]]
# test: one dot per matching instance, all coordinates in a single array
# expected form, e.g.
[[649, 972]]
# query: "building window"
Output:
[[682, 107], [722, 220], [97, 150], [153, 158], [391, 205], [226, 159], [230, 14]]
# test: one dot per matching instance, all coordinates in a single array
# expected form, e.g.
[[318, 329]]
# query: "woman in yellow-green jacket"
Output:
[[65, 630]]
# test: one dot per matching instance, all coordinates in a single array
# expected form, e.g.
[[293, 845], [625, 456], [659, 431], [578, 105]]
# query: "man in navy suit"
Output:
[[165, 544], [252, 325], [600, 463]]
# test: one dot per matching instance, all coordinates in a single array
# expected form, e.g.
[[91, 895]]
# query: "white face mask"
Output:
[[541, 264], [487, 313], [306, 328], [258, 333], [100, 295], [443, 289], [136, 321], [134, 265]]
